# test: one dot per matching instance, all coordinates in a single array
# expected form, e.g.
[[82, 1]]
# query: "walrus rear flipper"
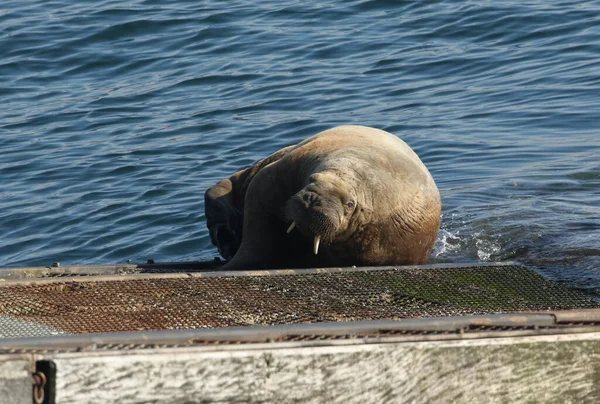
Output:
[[224, 206], [224, 221]]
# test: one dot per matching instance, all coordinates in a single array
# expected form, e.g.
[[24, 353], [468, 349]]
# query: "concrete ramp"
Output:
[[191, 333]]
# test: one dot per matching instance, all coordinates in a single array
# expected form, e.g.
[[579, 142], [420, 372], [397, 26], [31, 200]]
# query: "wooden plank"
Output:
[[560, 369], [15, 379]]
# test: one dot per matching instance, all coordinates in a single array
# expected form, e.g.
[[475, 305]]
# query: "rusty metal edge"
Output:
[[26, 276], [199, 346], [577, 316], [273, 332]]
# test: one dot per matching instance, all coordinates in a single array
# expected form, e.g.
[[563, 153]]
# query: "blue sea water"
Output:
[[117, 115]]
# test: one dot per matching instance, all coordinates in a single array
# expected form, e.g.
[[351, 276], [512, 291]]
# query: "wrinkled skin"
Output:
[[353, 194]]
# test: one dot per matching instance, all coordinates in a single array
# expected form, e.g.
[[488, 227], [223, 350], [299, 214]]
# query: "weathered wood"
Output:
[[558, 369], [15, 380]]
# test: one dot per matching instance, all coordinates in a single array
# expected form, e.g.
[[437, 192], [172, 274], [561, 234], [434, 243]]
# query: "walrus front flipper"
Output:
[[264, 240], [223, 219], [224, 205]]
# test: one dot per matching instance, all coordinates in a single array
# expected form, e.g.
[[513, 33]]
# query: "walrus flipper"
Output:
[[223, 219], [224, 205]]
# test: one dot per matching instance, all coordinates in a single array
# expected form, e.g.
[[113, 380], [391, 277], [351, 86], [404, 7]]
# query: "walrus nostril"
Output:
[[311, 199]]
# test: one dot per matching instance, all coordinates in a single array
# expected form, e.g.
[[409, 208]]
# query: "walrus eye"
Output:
[[350, 204]]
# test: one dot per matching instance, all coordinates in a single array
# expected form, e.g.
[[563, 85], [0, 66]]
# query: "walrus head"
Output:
[[322, 209]]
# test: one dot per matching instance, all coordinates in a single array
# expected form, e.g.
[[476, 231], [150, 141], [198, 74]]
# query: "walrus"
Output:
[[351, 195]]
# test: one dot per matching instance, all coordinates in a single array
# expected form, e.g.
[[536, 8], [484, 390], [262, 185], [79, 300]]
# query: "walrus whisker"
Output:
[[317, 241], [289, 230]]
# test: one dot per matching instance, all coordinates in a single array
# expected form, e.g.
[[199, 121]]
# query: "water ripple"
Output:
[[118, 116]]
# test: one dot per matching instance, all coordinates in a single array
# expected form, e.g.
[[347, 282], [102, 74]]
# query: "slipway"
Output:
[[189, 332]]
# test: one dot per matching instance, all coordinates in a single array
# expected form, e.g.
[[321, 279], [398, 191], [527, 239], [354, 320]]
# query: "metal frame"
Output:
[[422, 329], [197, 268]]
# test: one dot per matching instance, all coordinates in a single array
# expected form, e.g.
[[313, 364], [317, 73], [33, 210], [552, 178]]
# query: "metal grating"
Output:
[[93, 305], [15, 328]]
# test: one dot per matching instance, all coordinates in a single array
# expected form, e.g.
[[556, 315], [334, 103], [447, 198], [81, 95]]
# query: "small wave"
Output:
[[117, 118]]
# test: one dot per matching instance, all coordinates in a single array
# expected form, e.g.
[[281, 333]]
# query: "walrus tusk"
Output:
[[291, 227], [317, 240]]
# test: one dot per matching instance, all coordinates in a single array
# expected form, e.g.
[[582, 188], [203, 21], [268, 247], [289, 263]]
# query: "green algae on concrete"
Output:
[[210, 300], [505, 288]]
